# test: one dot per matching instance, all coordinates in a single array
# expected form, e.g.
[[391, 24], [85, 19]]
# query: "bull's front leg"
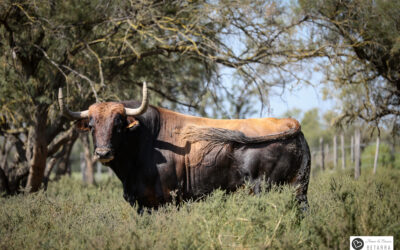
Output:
[[132, 201]]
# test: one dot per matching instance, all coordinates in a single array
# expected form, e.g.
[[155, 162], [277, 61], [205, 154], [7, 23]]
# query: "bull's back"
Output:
[[250, 127]]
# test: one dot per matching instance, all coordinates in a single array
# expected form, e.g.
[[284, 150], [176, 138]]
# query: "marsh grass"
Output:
[[72, 216]]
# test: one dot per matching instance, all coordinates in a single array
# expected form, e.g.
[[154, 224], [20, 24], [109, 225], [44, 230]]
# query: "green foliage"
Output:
[[361, 40], [72, 216], [385, 158], [314, 128], [294, 113]]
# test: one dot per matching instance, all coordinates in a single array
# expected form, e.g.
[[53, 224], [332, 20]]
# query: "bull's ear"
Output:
[[132, 123], [82, 125]]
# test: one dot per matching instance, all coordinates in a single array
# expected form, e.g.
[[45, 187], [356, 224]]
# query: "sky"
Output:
[[305, 98], [296, 95]]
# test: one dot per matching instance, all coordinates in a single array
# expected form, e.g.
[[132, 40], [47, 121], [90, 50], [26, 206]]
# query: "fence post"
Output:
[[357, 163], [352, 149], [335, 159], [342, 150], [327, 154], [376, 154], [313, 161], [321, 148]]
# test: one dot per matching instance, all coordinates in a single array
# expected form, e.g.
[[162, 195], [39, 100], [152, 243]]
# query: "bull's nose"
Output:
[[104, 153]]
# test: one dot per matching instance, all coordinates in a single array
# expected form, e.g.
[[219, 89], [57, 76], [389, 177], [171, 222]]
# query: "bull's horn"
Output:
[[68, 113], [143, 106]]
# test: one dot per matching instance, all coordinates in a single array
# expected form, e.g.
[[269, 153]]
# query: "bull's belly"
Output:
[[204, 179], [255, 165]]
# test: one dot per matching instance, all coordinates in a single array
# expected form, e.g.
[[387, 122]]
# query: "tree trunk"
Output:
[[4, 188], [37, 150], [89, 169], [64, 163], [50, 165], [47, 171], [4, 152], [357, 154], [55, 154]]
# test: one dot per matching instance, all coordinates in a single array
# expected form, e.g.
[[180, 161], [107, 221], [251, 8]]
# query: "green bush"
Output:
[[72, 216]]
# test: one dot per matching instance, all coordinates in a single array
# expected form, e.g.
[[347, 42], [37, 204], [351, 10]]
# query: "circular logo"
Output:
[[357, 243]]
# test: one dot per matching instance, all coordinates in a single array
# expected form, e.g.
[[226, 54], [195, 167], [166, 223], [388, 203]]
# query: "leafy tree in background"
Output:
[[312, 127], [359, 41], [294, 113]]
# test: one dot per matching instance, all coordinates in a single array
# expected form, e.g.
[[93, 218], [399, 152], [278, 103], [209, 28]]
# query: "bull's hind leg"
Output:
[[260, 184]]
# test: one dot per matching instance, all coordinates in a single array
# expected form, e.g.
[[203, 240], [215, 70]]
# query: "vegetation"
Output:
[[72, 216]]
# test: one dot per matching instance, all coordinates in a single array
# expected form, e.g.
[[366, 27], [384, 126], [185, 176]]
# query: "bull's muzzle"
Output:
[[104, 154]]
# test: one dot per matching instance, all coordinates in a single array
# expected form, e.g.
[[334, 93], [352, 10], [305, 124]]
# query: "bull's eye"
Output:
[[91, 124], [118, 123]]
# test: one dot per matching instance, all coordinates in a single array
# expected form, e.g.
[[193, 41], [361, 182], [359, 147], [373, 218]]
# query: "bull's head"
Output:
[[107, 121]]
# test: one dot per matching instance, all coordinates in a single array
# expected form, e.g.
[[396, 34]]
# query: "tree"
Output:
[[103, 50], [312, 127], [359, 46]]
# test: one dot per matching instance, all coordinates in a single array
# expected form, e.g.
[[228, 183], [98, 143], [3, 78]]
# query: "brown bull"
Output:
[[154, 151]]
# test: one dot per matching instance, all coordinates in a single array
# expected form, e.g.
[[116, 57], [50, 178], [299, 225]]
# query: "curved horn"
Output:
[[143, 106], [68, 113]]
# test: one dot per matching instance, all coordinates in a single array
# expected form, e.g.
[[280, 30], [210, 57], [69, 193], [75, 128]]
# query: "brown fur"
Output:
[[103, 116], [255, 127], [106, 109]]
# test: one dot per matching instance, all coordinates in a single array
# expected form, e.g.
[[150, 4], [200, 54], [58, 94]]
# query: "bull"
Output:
[[155, 151]]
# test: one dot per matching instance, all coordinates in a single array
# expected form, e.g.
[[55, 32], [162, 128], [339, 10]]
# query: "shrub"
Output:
[[72, 216]]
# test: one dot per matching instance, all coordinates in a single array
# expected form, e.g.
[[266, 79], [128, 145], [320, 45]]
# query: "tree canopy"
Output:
[[359, 41]]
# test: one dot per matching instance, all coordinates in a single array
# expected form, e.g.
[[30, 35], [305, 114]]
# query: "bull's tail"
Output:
[[221, 136], [303, 174]]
